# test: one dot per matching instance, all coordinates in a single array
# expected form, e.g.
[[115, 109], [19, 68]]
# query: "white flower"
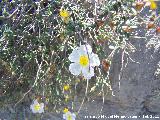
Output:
[[37, 107], [69, 116], [83, 61]]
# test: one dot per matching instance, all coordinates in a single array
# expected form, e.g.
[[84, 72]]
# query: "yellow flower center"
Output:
[[37, 107], [64, 13], [66, 87], [65, 110], [69, 117], [84, 60]]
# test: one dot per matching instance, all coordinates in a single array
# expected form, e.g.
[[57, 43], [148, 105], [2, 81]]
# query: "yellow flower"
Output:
[[153, 5], [64, 13], [66, 87], [65, 110]]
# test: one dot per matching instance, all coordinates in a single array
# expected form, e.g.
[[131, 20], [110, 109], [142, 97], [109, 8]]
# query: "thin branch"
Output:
[[37, 77], [84, 96]]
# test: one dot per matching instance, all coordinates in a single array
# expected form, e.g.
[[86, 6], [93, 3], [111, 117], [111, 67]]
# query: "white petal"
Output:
[[35, 102], [75, 68], [41, 108], [84, 49], [64, 116], [89, 48], [73, 116], [41, 111], [32, 108], [88, 73], [68, 113], [148, 3], [42, 105], [74, 56], [34, 111], [94, 60]]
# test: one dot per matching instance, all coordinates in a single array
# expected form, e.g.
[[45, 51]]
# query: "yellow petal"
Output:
[[153, 5], [65, 110], [64, 13], [66, 87]]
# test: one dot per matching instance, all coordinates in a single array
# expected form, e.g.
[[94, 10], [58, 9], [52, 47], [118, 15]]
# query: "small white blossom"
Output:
[[83, 61], [69, 116], [37, 107]]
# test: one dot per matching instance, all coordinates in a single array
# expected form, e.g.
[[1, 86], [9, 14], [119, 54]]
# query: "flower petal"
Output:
[[94, 60], [68, 114], [64, 116], [41, 108], [73, 116], [75, 68], [32, 108], [74, 56], [88, 72], [148, 3], [35, 101], [84, 49], [42, 105]]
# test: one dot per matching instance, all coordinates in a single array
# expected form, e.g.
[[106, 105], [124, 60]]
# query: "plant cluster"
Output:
[[53, 50]]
